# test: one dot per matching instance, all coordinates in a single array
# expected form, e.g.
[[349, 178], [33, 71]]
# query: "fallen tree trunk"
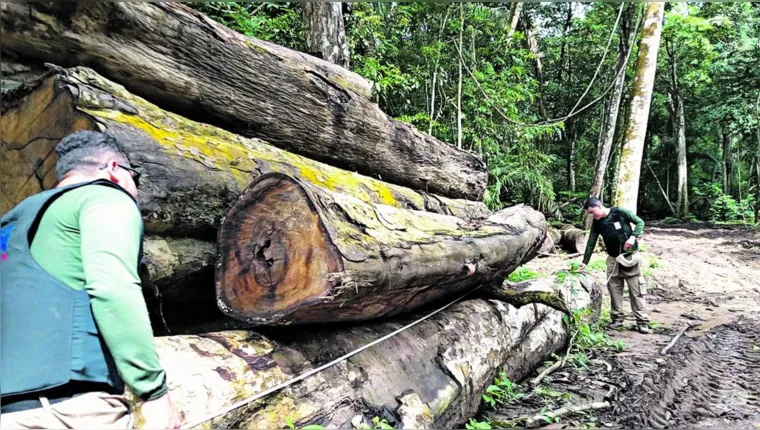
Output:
[[291, 252], [573, 240], [429, 376], [185, 62], [191, 171]]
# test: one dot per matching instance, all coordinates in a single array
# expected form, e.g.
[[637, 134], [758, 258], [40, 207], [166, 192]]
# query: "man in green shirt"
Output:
[[623, 266], [89, 238]]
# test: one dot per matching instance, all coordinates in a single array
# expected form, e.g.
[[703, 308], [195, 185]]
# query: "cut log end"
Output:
[[574, 240], [276, 254]]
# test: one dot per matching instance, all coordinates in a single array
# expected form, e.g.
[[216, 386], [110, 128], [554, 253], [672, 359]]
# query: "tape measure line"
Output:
[[303, 376]]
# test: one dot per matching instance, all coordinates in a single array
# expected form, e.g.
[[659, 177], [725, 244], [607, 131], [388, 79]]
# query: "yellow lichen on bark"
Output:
[[245, 158]]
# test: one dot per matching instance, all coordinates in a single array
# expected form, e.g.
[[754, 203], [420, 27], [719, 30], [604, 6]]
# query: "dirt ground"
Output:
[[706, 276]]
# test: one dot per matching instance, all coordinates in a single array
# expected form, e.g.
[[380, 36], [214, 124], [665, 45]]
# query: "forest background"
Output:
[[542, 91]]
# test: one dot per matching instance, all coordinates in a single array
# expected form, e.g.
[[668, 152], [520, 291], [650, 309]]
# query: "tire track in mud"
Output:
[[715, 376]]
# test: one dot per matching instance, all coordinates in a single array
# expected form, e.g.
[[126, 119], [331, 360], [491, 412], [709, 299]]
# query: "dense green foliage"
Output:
[[411, 52]]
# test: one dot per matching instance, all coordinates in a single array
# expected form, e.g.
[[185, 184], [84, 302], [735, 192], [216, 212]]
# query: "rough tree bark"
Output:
[[172, 55], [192, 171], [325, 32], [292, 252], [429, 376], [646, 68], [609, 124]]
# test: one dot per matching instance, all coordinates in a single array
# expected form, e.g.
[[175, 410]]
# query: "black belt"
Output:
[[23, 402]]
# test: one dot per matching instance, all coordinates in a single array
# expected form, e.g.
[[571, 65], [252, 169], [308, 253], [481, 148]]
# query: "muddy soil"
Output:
[[700, 275]]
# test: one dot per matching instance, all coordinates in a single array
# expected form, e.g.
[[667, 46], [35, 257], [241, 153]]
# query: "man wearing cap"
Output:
[[623, 261]]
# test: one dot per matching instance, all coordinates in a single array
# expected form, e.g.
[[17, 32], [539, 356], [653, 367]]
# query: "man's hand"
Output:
[[160, 414], [629, 243], [582, 267]]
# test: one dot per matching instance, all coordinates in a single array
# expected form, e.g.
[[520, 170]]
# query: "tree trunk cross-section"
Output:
[[574, 240], [185, 62], [191, 172], [292, 252]]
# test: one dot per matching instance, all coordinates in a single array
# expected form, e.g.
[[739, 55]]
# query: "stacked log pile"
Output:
[[298, 201], [194, 172]]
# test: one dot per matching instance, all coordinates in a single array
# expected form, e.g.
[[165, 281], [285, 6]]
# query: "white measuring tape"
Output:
[[303, 376]]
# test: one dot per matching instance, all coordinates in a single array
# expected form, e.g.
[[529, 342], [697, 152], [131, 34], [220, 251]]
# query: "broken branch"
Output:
[[675, 339], [556, 366]]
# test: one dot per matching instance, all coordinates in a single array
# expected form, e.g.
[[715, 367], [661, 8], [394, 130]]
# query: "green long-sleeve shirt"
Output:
[[89, 238], [606, 228]]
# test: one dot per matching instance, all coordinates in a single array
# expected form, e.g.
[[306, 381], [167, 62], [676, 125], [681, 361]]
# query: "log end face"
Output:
[[275, 254]]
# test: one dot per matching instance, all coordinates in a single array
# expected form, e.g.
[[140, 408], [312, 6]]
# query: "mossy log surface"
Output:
[[429, 376], [187, 63], [292, 252], [191, 171]]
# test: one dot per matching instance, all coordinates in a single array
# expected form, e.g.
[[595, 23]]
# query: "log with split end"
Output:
[[292, 252]]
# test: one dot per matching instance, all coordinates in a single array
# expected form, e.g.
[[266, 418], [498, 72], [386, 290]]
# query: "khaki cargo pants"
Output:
[[622, 276], [95, 410]]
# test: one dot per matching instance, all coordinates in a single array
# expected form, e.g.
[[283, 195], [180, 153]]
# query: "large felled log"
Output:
[[429, 376], [293, 252], [185, 62], [573, 240], [191, 171]]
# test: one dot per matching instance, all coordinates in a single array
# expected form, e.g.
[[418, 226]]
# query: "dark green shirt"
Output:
[[89, 239], [615, 229]]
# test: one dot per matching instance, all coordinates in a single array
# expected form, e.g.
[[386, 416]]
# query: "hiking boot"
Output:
[[615, 325], [643, 328]]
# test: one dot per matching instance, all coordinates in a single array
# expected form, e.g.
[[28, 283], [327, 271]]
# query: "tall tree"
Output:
[[325, 32], [612, 109], [459, 85], [646, 69], [679, 131], [571, 135], [757, 158], [529, 28], [726, 160], [515, 10]]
